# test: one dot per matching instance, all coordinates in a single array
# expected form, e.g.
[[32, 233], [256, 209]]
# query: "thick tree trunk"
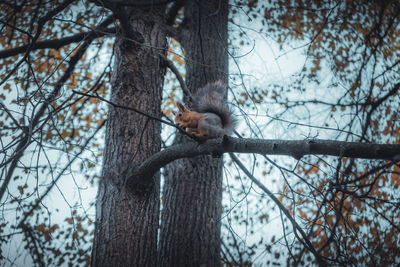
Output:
[[190, 228], [127, 220]]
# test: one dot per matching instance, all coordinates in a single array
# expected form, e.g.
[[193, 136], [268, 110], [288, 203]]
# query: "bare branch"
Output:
[[296, 226], [295, 148], [62, 172], [175, 32], [137, 111], [127, 108], [56, 43], [172, 67], [26, 139], [40, 25], [173, 11]]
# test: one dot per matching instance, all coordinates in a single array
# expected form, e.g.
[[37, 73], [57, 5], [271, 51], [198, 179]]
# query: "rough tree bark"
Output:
[[126, 220], [190, 228], [294, 148]]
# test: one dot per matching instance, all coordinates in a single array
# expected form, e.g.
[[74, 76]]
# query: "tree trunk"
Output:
[[127, 220], [190, 228]]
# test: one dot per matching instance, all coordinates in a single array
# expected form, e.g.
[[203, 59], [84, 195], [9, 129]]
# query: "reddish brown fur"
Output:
[[212, 117], [189, 120]]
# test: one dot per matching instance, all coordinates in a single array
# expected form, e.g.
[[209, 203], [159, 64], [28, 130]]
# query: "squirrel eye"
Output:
[[180, 114]]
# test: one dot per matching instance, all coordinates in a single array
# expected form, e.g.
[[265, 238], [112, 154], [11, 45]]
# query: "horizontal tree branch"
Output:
[[141, 175], [57, 43]]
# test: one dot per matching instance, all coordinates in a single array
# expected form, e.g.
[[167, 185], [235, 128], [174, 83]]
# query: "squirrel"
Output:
[[211, 116]]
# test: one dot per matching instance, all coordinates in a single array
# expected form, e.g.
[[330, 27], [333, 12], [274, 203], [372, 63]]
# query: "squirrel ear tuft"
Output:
[[181, 107]]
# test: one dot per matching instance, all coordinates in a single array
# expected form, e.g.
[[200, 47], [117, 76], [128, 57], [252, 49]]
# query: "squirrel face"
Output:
[[185, 118]]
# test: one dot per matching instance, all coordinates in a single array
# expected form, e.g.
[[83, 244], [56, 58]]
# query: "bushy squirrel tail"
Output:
[[211, 99]]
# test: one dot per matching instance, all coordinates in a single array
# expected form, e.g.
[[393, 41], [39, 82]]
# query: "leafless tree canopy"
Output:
[[310, 176]]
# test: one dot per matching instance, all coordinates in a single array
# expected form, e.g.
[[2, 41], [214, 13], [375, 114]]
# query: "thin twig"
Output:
[[295, 225], [172, 67]]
